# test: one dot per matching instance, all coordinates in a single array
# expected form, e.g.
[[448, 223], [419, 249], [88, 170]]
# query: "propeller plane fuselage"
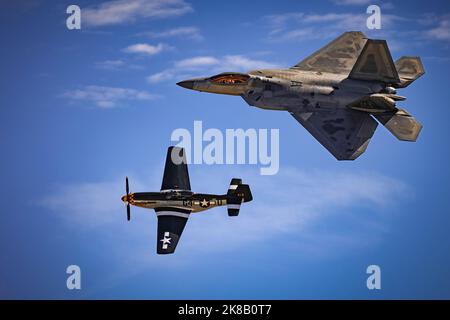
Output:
[[194, 202], [175, 202]]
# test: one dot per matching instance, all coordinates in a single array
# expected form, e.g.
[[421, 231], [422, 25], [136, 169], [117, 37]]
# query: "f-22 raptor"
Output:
[[335, 93], [175, 202]]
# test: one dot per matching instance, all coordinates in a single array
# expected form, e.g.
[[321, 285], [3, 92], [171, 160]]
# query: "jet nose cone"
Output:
[[188, 84]]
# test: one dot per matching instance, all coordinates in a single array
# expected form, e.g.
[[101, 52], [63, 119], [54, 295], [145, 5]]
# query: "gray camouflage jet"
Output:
[[335, 93]]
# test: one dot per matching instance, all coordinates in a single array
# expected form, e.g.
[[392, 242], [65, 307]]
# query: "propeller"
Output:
[[127, 188]]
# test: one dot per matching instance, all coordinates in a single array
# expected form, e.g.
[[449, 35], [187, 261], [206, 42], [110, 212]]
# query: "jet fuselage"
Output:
[[288, 89]]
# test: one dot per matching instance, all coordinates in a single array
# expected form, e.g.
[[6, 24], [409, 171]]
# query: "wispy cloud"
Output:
[[197, 62], [306, 26], [128, 11], [440, 32], [191, 33], [117, 65], [301, 205], [165, 75], [110, 64], [317, 214], [351, 2], [108, 97], [146, 49], [90, 198], [437, 58], [384, 5], [209, 65]]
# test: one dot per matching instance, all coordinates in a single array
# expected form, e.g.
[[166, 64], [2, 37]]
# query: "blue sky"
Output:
[[81, 109]]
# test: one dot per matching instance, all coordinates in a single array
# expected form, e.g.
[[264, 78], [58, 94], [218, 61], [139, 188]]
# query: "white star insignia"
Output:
[[204, 203], [166, 240]]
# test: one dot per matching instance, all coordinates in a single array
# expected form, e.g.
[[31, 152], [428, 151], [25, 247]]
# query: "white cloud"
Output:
[[295, 34], [441, 32], [108, 97], [352, 2], [315, 214], [293, 203], [115, 65], [437, 58], [334, 17], [110, 64], [127, 11], [301, 203], [146, 49], [90, 198], [209, 65], [302, 26], [197, 62], [192, 33], [243, 63], [384, 5], [165, 75]]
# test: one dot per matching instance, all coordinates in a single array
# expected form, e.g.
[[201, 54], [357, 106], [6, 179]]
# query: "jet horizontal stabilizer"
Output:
[[409, 70], [401, 124]]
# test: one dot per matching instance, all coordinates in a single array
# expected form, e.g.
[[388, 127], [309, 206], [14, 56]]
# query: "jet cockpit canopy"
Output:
[[230, 78]]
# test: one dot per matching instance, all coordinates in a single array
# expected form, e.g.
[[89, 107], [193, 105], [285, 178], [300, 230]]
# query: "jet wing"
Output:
[[171, 222], [176, 175], [345, 133], [339, 56]]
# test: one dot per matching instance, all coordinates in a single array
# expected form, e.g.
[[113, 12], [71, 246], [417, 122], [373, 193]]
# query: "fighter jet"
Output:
[[175, 202], [335, 93]]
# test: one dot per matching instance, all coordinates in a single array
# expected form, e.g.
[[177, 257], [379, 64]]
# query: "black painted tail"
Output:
[[237, 193]]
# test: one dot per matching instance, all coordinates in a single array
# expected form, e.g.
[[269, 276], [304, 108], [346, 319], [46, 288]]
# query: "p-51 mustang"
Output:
[[175, 202]]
